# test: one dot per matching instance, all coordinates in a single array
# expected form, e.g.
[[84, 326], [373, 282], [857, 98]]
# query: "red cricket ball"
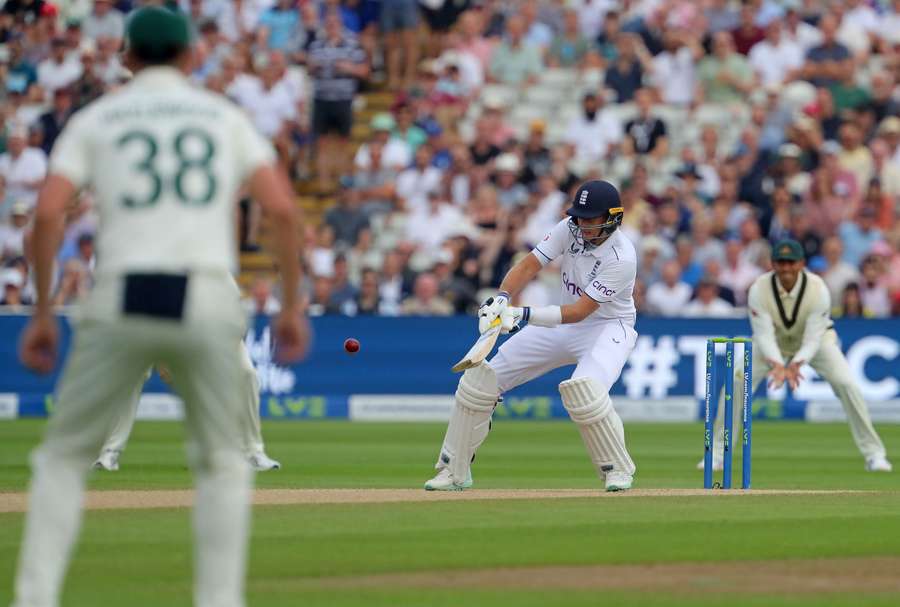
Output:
[[351, 345]]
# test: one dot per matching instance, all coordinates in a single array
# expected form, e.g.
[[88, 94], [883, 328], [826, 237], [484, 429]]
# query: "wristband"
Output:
[[542, 316]]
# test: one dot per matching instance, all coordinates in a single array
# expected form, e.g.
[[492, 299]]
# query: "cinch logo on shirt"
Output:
[[603, 289], [571, 287]]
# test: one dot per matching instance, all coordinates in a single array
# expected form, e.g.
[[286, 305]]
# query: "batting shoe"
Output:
[[878, 464], [443, 481], [618, 481], [261, 462], [108, 460]]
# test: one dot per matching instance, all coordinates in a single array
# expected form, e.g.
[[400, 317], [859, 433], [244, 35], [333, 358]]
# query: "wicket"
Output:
[[746, 410]]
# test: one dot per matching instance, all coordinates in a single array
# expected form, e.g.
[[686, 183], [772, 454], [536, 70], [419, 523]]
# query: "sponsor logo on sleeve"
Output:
[[603, 289]]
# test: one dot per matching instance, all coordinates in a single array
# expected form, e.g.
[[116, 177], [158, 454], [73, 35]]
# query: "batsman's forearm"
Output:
[[520, 275], [46, 240]]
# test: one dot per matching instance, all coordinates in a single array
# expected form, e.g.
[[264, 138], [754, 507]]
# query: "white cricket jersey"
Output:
[[789, 324], [606, 273], [165, 160]]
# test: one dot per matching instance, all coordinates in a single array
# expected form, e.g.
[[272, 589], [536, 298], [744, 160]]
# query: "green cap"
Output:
[[158, 35], [788, 250], [382, 122]]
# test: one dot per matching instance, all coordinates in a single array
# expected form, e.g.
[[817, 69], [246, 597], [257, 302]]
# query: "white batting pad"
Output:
[[601, 429], [470, 420]]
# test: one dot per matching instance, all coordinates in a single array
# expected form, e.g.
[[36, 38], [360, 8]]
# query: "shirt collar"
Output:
[[156, 76], [793, 292]]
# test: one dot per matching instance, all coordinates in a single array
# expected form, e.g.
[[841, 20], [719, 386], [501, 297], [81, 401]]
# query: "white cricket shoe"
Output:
[[878, 464], [718, 464], [443, 481], [261, 462], [618, 481], [108, 460]]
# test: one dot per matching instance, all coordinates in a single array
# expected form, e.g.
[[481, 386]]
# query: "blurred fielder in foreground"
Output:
[[165, 160], [594, 330], [790, 313]]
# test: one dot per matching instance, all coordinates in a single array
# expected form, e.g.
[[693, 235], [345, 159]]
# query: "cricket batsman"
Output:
[[593, 329], [790, 314]]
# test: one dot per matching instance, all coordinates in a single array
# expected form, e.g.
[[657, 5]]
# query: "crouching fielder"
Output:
[[593, 330], [251, 432], [791, 320]]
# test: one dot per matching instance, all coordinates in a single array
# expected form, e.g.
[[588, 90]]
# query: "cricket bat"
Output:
[[480, 349]]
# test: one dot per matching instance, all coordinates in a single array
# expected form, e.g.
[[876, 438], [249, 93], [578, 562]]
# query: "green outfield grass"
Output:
[[315, 554]]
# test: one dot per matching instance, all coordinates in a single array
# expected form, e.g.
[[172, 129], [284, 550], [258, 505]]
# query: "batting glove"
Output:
[[491, 309]]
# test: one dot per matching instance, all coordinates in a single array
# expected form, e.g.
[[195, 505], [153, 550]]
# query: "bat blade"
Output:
[[480, 350]]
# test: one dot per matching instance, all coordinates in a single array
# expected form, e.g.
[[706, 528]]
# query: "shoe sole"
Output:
[[463, 487]]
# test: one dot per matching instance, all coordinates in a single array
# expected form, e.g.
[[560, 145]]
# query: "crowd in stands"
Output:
[[726, 125]]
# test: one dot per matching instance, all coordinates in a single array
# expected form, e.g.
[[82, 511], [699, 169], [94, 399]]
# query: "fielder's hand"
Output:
[[491, 309], [40, 340]]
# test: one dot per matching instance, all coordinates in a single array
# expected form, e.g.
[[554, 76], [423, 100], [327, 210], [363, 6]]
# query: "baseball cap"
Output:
[[157, 34], [788, 250], [12, 277], [382, 122], [19, 208], [890, 126], [789, 150], [507, 162]]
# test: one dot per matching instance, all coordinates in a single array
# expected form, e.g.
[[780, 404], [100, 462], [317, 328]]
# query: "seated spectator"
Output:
[[536, 154], [510, 193], [104, 22], [471, 37], [59, 70], [342, 299], [570, 47], [837, 273], [321, 253], [646, 132], [363, 255], [669, 296], [625, 74], [828, 63], [595, 133], [850, 304], [375, 184], [721, 15], [873, 291], [396, 153], [12, 234], [707, 303], [858, 235], [262, 302], [706, 246], [605, 42], [406, 129], [74, 285], [776, 59], [430, 225], [483, 150], [346, 218], [726, 76], [738, 273], [515, 61], [415, 184], [674, 70], [887, 171], [22, 167], [801, 32], [426, 299], [854, 156], [748, 33], [280, 27], [492, 120], [12, 282], [790, 166], [320, 302], [368, 299], [52, 123]]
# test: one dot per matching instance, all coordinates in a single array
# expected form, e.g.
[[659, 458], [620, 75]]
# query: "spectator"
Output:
[[510, 193], [346, 218], [105, 22], [887, 172], [776, 59], [721, 15], [515, 61], [859, 235], [13, 282], [669, 296], [872, 289], [828, 63], [739, 273], [851, 305], [20, 72], [707, 303], [399, 20], [396, 153], [790, 166], [415, 184], [343, 295], [595, 133], [624, 75], [52, 123], [280, 27], [570, 47], [12, 235], [646, 132], [391, 287], [406, 129], [74, 285], [337, 63], [748, 33], [726, 76], [60, 69], [22, 167], [262, 302], [837, 273], [320, 302], [430, 225], [674, 70], [426, 300], [368, 299], [855, 157]]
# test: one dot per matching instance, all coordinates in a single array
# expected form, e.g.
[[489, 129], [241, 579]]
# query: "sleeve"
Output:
[[71, 152], [252, 149], [817, 322], [553, 244], [763, 326], [614, 278]]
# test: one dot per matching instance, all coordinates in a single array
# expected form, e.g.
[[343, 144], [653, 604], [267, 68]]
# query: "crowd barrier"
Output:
[[402, 372]]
